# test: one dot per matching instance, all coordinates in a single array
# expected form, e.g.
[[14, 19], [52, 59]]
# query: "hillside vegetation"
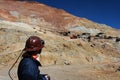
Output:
[[69, 40]]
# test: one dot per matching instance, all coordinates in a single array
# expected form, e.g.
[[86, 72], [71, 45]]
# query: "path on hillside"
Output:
[[69, 72]]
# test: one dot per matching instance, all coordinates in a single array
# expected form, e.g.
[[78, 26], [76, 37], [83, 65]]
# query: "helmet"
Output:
[[34, 43]]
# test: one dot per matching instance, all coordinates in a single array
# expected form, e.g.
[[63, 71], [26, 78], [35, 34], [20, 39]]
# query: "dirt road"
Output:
[[68, 72]]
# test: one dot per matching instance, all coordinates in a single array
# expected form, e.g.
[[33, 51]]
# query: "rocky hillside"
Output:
[[69, 39]]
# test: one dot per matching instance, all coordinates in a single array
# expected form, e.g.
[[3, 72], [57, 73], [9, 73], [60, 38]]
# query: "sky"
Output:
[[100, 11]]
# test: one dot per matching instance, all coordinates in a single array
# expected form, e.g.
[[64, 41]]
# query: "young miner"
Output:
[[28, 66]]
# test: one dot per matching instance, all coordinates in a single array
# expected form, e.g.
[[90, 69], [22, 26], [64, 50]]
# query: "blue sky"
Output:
[[100, 11]]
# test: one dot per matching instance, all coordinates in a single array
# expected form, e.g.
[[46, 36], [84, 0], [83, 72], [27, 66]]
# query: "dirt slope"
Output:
[[63, 58]]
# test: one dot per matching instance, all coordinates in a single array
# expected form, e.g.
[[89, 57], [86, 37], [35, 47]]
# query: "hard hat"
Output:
[[34, 43]]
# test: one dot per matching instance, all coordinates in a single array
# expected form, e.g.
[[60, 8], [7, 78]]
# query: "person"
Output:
[[28, 68]]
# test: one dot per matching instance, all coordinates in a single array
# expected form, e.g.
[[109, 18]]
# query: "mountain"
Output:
[[69, 39], [36, 14]]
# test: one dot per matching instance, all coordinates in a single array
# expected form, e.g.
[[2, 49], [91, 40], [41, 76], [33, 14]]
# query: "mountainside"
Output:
[[69, 39], [38, 14]]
